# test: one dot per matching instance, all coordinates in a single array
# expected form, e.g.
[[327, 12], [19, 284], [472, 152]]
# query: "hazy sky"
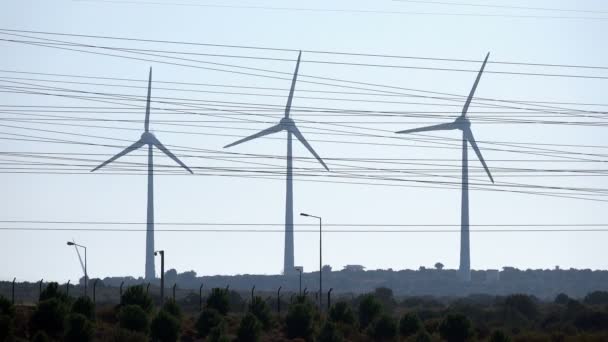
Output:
[[207, 198]]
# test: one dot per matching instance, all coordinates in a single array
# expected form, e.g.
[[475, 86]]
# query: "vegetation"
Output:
[[375, 316]]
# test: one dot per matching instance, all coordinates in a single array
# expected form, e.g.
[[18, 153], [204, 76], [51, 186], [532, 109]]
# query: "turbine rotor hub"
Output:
[[463, 123], [287, 122], [147, 137]]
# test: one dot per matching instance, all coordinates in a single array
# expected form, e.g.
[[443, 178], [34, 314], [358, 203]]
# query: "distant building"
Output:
[[354, 268], [492, 276]]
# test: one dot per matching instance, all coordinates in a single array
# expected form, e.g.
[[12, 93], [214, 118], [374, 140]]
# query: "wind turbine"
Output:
[[288, 125], [149, 139], [463, 124]]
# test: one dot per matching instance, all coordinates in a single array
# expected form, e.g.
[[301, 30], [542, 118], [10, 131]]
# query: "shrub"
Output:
[[260, 309], [330, 333], [218, 334], [409, 324], [596, 298], [134, 318], [78, 328], [165, 327], [299, 321], [249, 329], [85, 307], [49, 317], [523, 304], [341, 312], [6, 307], [455, 328], [218, 300], [499, 336], [172, 308], [52, 291], [6, 327], [561, 298], [136, 295], [41, 336], [383, 329], [423, 336], [124, 335], [369, 310], [207, 320]]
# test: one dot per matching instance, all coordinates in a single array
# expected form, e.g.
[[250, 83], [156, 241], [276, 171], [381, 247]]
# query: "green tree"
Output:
[[218, 300], [330, 333], [7, 318], [369, 310], [341, 312], [499, 336], [165, 327], [134, 318], [171, 307], [85, 307], [260, 309], [78, 328], [409, 324], [383, 328], [6, 307], [250, 329], [52, 291], [561, 298], [41, 336], [136, 295], [455, 328], [596, 298], [523, 304], [208, 319], [299, 321], [439, 266], [423, 336], [49, 317]]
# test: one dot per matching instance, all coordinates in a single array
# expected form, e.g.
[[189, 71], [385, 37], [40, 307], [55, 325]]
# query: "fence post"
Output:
[[279, 300], [148, 288], [174, 285], [252, 289], [94, 287], [13, 291], [67, 288], [40, 288], [200, 297], [329, 298], [121, 284]]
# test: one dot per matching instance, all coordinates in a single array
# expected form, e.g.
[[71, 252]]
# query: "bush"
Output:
[[409, 324], [369, 310], [85, 307], [423, 336], [383, 329], [41, 336], [218, 300], [299, 321], [500, 336], [261, 311], [523, 304], [207, 320], [561, 298], [134, 318], [6, 307], [6, 327], [172, 308], [455, 328], [249, 329], [330, 333], [78, 328], [341, 312], [136, 295], [165, 327], [49, 317], [124, 335], [52, 291], [596, 298]]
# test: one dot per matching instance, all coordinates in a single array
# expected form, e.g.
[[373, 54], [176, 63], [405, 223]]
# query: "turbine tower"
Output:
[[463, 124], [288, 125], [149, 139]]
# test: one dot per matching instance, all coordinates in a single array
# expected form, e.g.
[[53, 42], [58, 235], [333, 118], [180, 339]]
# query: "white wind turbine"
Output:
[[288, 125], [149, 139], [463, 124]]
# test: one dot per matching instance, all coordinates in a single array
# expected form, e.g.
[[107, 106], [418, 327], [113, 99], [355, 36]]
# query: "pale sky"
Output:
[[378, 27]]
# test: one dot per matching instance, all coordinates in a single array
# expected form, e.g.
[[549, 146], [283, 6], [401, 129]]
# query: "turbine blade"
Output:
[[439, 127], [129, 149], [147, 122], [465, 109], [273, 129], [293, 87], [169, 154], [293, 129], [471, 139]]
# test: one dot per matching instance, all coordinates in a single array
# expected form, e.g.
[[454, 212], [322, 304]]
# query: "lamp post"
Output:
[[320, 258], [162, 275], [300, 269], [86, 277]]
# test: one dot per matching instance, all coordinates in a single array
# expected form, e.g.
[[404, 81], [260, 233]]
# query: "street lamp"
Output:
[[300, 269], [86, 277], [162, 275], [320, 258]]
